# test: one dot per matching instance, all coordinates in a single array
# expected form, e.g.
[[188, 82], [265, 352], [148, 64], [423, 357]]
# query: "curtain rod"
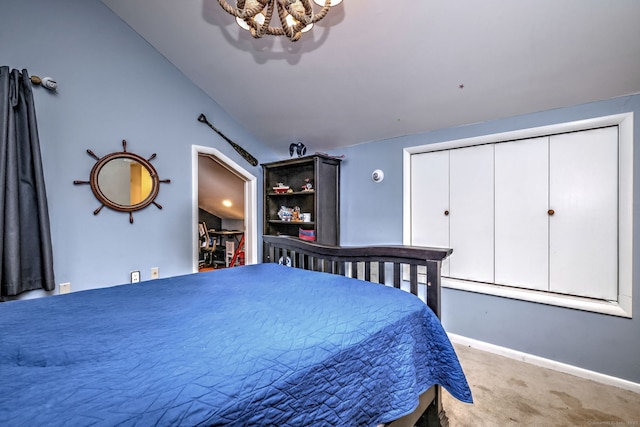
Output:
[[45, 82]]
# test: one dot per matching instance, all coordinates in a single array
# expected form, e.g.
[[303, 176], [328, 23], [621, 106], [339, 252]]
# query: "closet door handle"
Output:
[[446, 213], [551, 212]]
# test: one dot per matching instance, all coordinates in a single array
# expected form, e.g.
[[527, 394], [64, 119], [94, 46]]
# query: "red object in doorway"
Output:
[[238, 254]]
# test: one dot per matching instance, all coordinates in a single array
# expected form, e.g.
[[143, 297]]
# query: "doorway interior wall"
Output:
[[250, 202]]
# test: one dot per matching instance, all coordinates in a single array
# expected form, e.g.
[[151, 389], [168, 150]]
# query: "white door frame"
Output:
[[250, 203]]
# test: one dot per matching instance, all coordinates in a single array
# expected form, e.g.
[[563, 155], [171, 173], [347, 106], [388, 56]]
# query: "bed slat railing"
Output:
[[370, 263], [366, 263]]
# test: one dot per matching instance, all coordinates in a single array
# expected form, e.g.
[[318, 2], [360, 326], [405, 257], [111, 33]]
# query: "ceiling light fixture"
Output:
[[296, 16]]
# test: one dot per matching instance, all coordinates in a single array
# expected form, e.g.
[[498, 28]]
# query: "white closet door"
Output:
[[471, 213], [430, 201], [583, 229], [522, 222]]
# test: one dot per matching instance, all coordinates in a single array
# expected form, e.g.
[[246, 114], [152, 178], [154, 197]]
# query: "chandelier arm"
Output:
[[264, 28], [276, 31], [306, 18], [247, 15], [292, 32], [227, 8], [308, 11], [271, 31], [323, 12], [242, 13], [257, 31], [311, 18], [282, 14]]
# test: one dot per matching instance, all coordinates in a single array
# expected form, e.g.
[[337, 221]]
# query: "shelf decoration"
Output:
[[308, 185]]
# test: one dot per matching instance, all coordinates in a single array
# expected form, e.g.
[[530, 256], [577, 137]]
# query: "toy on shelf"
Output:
[[281, 188], [308, 185]]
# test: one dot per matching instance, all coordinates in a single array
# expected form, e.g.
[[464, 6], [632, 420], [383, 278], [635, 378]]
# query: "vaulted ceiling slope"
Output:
[[375, 69]]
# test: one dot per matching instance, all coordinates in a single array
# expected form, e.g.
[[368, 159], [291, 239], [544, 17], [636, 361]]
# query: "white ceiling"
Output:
[[375, 69]]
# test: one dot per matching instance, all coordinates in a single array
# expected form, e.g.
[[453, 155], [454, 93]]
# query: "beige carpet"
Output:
[[509, 392]]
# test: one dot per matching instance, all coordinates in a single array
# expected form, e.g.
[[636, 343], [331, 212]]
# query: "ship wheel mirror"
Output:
[[124, 181]]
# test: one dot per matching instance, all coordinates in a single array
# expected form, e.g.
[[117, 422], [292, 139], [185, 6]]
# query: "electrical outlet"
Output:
[[155, 272], [135, 276], [65, 288]]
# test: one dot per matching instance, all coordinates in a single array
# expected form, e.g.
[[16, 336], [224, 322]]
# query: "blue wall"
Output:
[[112, 86], [372, 213]]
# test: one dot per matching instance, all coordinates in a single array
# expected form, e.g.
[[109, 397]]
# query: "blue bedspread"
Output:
[[261, 345]]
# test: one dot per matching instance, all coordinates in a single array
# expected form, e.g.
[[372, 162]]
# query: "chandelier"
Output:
[[296, 16]]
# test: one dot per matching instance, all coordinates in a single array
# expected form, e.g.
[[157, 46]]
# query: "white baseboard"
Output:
[[546, 363]]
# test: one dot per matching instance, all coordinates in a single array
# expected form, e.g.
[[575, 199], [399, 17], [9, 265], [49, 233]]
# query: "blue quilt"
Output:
[[260, 345]]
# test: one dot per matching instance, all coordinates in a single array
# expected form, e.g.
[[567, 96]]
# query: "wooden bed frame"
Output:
[[373, 264]]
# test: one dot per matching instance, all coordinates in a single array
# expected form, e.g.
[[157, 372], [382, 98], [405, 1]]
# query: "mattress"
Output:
[[255, 345]]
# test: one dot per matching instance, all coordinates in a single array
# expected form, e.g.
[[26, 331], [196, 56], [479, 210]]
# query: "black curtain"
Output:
[[26, 254]]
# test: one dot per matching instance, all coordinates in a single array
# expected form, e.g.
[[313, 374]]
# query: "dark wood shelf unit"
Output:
[[323, 202]]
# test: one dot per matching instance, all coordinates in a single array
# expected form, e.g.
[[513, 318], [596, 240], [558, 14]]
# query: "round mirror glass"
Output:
[[125, 181]]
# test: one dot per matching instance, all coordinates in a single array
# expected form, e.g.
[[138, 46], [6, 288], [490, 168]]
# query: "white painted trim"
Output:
[[250, 203], [406, 196], [623, 306], [625, 213], [546, 363], [612, 308], [194, 208], [616, 119]]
